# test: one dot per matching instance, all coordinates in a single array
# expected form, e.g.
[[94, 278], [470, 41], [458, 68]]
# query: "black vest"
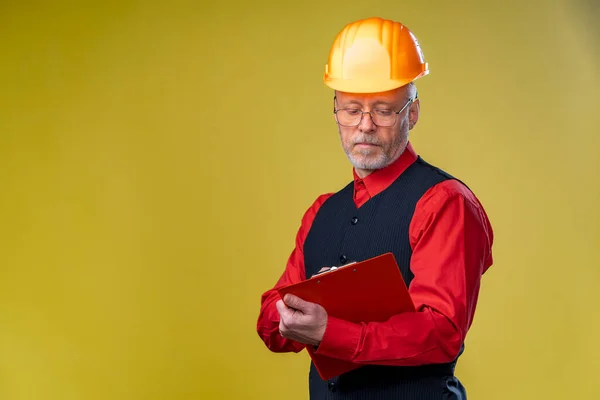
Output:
[[341, 233]]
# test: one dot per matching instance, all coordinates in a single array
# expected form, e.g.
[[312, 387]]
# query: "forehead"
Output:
[[390, 97]]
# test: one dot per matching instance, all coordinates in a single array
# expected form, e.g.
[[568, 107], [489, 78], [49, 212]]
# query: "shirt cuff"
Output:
[[341, 339]]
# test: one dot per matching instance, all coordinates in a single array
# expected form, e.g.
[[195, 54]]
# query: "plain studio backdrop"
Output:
[[156, 159]]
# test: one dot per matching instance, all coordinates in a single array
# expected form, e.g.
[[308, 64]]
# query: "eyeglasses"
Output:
[[380, 116]]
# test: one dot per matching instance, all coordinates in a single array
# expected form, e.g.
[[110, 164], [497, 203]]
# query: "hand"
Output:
[[301, 321]]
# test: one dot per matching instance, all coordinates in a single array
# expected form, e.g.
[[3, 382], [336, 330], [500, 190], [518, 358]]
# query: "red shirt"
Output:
[[451, 239]]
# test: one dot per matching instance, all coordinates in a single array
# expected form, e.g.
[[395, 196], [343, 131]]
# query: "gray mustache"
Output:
[[367, 139]]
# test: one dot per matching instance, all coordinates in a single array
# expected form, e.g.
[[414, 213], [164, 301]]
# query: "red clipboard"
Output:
[[367, 291]]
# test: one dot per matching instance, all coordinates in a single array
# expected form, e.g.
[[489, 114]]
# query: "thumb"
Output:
[[295, 302]]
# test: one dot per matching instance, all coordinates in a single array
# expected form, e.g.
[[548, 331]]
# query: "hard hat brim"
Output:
[[369, 86]]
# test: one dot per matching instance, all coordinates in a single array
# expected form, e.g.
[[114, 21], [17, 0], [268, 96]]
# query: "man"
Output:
[[433, 224]]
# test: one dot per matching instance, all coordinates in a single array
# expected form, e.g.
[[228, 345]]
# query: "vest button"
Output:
[[343, 259], [331, 386], [354, 221]]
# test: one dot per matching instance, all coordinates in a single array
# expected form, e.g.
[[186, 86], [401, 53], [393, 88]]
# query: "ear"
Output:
[[413, 113]]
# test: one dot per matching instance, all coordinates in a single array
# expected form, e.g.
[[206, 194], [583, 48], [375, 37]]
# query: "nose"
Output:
[[366, 124]]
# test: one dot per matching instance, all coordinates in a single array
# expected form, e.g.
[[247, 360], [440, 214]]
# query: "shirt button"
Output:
[[343, 259], [354, 221], [331, 386]]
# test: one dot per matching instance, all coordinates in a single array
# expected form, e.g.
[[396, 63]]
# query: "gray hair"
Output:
[[412, 90]]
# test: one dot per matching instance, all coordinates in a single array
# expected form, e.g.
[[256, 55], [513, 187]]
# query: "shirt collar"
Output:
[[378, 180]]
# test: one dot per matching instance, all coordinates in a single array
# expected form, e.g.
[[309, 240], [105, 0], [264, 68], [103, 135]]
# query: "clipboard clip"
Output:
[[334, 268]]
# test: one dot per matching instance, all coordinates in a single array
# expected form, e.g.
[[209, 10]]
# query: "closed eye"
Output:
[[352, 111], [384, 112]]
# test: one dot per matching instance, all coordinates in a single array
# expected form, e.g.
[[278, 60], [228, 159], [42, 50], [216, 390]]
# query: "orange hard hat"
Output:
[[374, 55]]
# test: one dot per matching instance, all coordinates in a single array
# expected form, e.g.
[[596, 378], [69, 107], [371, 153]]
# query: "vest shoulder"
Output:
[[449, 180], [452, 188], [322, 198], [425, 167], [314, 208]]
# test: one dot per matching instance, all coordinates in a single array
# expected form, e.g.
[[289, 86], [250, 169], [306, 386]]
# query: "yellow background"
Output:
[[156, 159]]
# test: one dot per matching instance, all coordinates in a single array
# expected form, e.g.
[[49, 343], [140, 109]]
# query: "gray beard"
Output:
[[381, 161]]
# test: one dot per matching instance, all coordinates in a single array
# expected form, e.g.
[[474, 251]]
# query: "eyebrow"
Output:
[[378, 102]]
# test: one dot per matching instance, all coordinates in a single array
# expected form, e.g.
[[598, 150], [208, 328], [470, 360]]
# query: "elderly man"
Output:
[[433, 224]]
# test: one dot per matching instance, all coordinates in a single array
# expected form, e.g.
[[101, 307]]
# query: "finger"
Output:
[[281, 308], [296, 302], [282, 328]]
